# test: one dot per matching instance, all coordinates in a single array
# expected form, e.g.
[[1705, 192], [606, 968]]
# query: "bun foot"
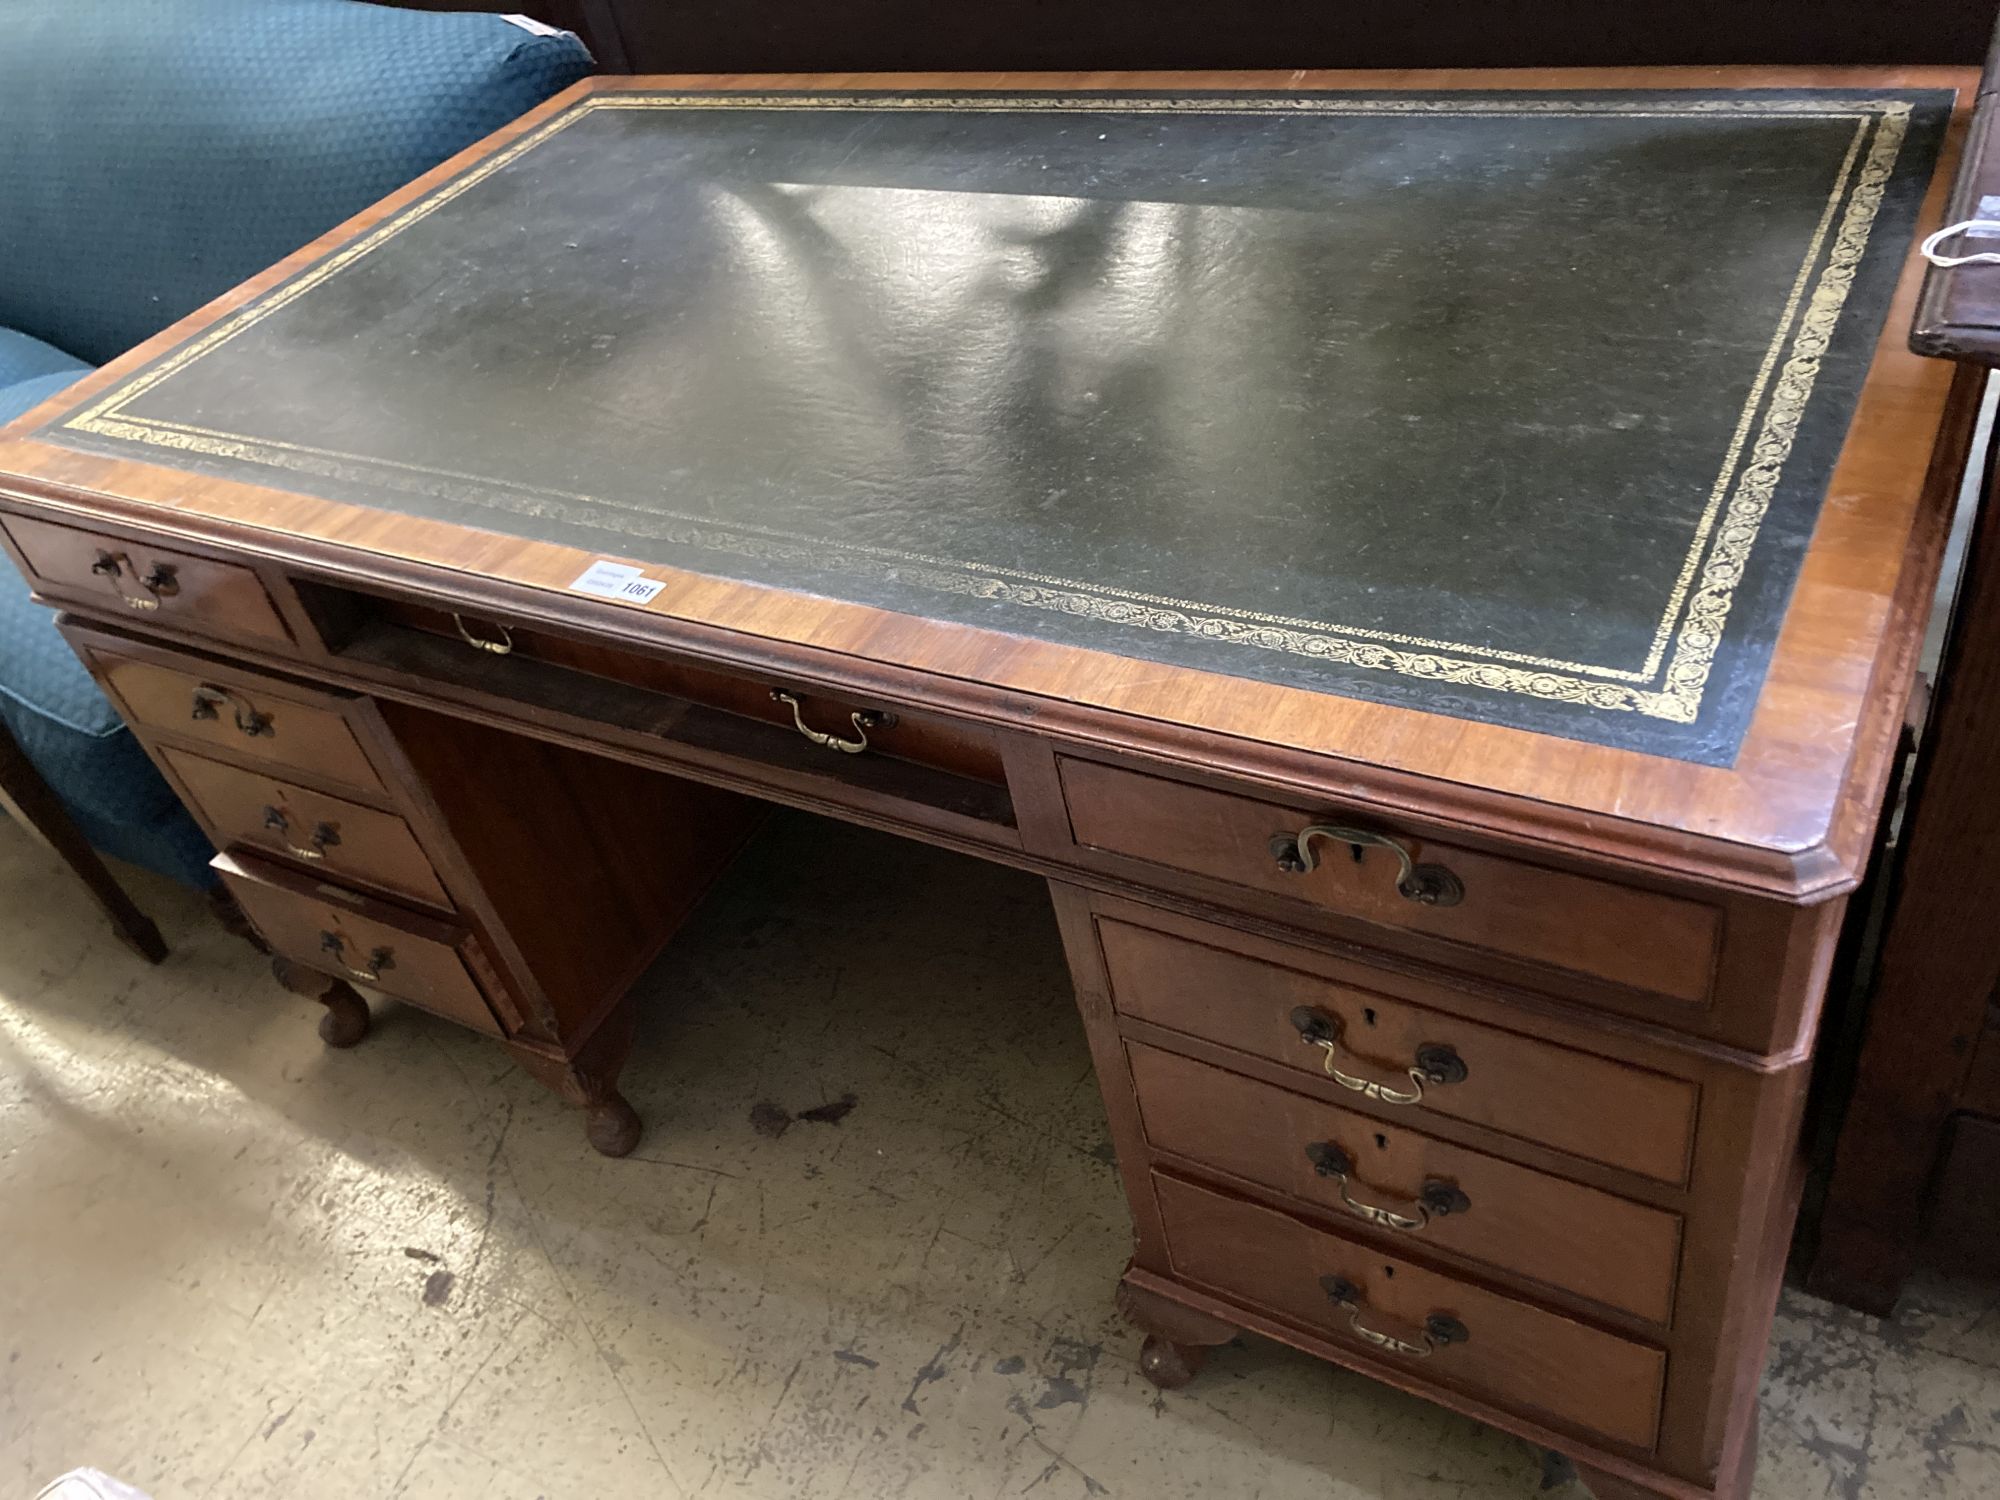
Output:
[[1178, 1337], [612, 1126], [588, 1079], [1169, 1365], [346, 1018]]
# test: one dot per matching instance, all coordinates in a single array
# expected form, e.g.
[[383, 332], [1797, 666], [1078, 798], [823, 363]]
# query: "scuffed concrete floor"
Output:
[[235, 1264]]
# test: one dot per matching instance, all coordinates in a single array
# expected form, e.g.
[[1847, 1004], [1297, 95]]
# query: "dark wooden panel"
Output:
[[342, 840], [1534, 1225], [1939, 964], [1586, 1106], [1517, 1354], [691, 36], [178, 587], [1963, 1223], [360, 939], [1640, 938], [588, 887], [1981, 1093]]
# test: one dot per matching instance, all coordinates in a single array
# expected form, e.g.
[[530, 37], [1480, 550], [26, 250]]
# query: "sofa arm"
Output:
[[155, 153]]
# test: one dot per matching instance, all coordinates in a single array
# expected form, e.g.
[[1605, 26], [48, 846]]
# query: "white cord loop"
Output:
[[1978, 229]]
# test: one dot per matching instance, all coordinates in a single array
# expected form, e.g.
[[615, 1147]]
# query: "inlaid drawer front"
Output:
[[1584, 1241], [1404, 1056], [360, 939], [1361, 868], [1434, 1327], [152, 583], [284, 724], [342, 840]]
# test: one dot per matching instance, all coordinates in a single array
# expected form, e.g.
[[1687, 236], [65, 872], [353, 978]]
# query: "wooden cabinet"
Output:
[[487, 878], [1453, 995], [1292, 1114]]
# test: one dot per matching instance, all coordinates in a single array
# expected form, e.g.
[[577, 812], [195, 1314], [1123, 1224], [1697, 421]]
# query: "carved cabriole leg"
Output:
[[590, 1079], [346, 1018], [1177, 1338]]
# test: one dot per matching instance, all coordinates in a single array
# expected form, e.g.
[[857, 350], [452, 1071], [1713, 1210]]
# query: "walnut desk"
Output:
[[1426, 565]]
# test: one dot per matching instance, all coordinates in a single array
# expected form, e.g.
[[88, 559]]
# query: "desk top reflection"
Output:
[[1535, 435]]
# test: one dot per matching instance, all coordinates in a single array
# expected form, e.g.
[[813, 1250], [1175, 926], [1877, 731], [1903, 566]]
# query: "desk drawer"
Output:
[[283, 724], [153, 583], [363, 940], [342, 840], [1540, 1227], [1432, 1327], [961, 750], [1575, 1102], [1644, 939]]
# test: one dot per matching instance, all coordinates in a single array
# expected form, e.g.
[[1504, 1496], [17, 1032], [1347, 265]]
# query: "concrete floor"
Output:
[[234, 1264]]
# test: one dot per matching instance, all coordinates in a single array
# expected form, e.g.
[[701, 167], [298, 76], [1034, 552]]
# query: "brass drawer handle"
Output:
[[1427, 885], [324, 835], [1439, 1329], [1436, 1062], [862, 719], [382, 958], [160, 581], [1437, 1198], [501, 647], [249, 721]]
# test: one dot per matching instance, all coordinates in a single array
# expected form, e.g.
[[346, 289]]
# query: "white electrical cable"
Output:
[[1987, 227]]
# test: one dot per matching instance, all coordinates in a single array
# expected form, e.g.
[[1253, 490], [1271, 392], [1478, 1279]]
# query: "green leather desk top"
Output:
[[1515, 407]]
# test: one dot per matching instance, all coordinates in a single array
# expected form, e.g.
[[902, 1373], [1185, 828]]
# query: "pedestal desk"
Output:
[[1426, 565]]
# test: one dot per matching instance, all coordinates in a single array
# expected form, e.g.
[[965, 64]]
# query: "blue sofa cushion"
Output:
[[69, 731], [38, 672], [55, 711], [154, 153], [31, 372]]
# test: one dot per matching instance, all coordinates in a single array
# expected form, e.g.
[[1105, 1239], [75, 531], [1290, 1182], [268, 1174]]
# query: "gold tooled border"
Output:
[[1700, 600]]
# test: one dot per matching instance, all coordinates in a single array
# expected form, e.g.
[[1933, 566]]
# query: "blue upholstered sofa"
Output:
[[154, 153]]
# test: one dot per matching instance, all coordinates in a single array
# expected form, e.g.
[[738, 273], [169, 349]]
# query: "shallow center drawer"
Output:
[[1540, 1227], [360, 939], [1437, 1327], [1371, 1044], [343, 839]]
